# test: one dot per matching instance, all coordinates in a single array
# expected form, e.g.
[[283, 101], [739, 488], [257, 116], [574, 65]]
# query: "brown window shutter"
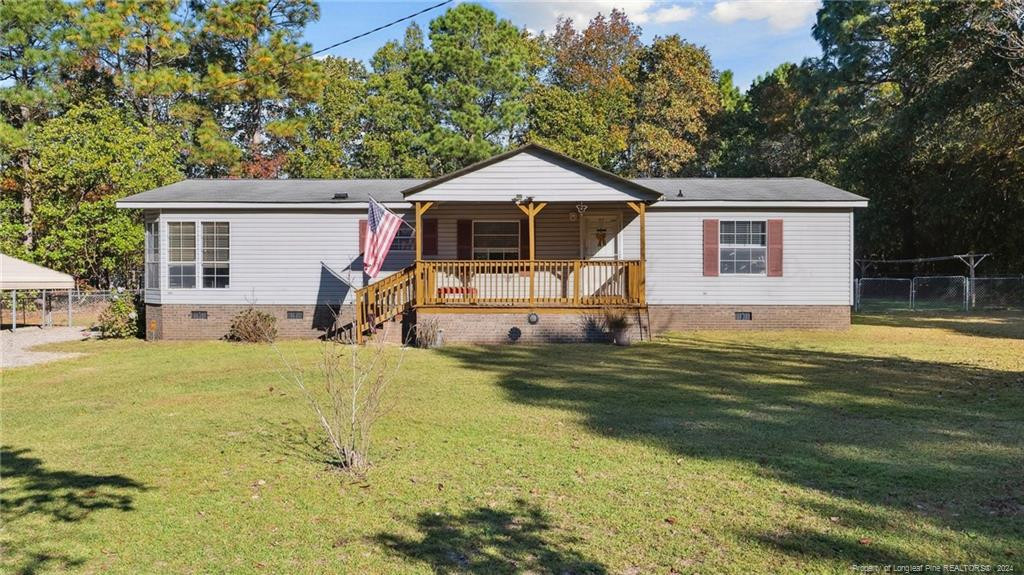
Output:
[[774, 248], [362, 235], [711, 247], [524, 239], [464, 239], [430, 237]]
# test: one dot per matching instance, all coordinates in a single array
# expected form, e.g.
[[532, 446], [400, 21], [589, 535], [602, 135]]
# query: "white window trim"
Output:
[[202, 259], [150, 238], [199, 260], [722, 247], [196, 258], [519, 238]]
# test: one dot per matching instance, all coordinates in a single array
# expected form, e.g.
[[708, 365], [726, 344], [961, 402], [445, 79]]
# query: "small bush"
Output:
[[121, 319], [253, 326], [427, 333], [616, 319]]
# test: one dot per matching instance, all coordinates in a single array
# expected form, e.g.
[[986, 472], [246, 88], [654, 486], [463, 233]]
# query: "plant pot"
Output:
[[621, 337]]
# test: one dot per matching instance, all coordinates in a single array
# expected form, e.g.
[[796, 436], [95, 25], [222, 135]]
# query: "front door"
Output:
[[600, 237]]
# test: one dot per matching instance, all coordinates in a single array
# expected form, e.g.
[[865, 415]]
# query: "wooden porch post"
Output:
[[641, 209], [531, 210], [421, 208]]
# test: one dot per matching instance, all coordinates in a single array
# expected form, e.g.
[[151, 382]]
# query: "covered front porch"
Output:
[[528, 230], [553, 254]]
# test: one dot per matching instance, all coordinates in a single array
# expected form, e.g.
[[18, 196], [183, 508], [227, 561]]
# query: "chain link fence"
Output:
[[939, 293], [46, 308]]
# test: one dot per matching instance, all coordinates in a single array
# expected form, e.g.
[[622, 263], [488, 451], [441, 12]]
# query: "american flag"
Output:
[[381, 228]]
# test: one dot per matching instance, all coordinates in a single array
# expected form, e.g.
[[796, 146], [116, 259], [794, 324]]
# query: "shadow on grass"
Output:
[[292, 439], [1004, 325], [931, 438], [32, 490], [486, 540]]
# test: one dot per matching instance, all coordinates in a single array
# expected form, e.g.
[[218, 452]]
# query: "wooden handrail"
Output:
[[384, 300], [578, 283]]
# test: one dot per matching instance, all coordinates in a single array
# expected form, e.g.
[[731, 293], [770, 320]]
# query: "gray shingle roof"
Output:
[[748, 190], [320, 191], [276, 191]]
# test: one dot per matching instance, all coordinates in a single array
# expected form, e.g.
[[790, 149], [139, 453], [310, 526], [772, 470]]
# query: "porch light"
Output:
[[581, 208]]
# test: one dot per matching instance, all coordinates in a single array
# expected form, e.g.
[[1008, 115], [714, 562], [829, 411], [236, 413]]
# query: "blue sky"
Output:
[[749, 37]]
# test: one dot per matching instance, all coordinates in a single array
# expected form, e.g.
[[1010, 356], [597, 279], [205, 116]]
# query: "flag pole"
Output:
[[400, 218]]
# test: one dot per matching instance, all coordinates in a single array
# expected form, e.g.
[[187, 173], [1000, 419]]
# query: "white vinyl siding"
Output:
[[817, 266], [293, 257], [527, 175], [282, 257]]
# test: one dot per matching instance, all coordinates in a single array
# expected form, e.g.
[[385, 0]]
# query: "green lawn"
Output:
[[898, 442]]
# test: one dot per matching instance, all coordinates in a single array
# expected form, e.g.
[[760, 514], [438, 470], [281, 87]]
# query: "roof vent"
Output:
[[341, 196]]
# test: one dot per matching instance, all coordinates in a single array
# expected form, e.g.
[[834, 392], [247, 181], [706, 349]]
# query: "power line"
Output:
[[347, 40]]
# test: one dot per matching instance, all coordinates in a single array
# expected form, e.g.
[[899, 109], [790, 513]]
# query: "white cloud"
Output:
[[537, 15], [674, 13], [781, 15]]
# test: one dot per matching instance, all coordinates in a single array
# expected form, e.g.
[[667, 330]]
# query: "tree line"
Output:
[[917, 105]]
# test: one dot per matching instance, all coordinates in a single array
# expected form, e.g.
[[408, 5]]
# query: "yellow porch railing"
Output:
[[569, 283], [384, 300]]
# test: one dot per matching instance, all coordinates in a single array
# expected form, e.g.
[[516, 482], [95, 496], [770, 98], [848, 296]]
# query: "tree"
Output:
[[83, 162], [480, 70], [676, 99], [327, 146], [134, 50], [256, 74], [395, 115], [598, 68], [30, 55]]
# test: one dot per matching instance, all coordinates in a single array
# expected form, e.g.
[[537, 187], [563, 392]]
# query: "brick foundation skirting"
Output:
[[175, 321], [762, 317], [568, 326]]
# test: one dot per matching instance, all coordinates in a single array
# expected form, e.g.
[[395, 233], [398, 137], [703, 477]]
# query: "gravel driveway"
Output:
[[14, 347]]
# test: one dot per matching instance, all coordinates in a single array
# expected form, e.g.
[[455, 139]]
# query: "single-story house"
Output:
[[529, 245]]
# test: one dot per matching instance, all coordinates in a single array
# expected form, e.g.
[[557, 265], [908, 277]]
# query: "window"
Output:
[[199, 315], [152, 258], [496, 240], [295, 315], [181, 255], [742, 247], [216, 254], [744, 316]]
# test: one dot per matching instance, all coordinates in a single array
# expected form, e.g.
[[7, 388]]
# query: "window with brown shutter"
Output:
[[774, 248], [464, 239], [430, 237], [711, 247]]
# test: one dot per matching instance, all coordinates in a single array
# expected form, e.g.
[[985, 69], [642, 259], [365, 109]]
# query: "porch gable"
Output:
[[530, 173]]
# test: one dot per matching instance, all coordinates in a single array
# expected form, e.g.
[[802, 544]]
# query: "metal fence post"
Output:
[[14, 310], [69, 307], [913, 285]]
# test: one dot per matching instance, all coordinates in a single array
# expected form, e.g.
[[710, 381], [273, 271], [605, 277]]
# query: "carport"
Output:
[[18, 275]]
